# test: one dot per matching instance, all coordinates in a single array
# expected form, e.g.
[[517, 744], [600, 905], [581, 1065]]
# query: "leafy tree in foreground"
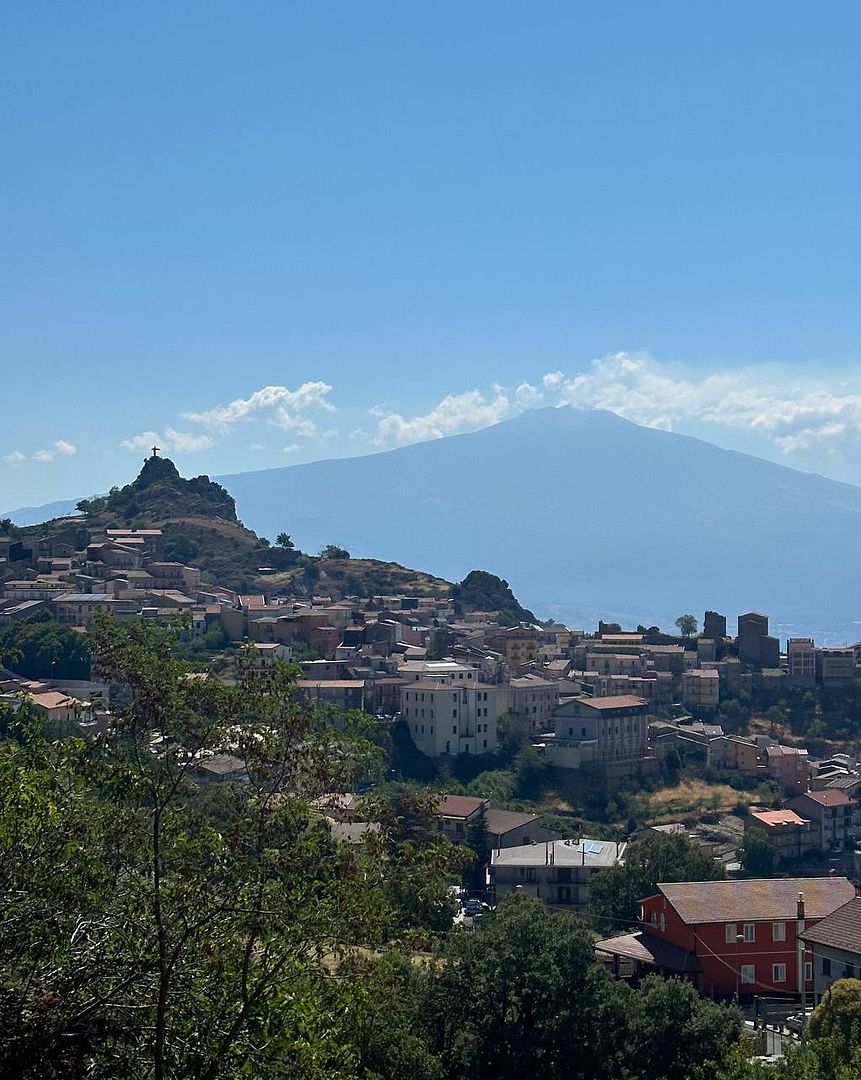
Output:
[[838, 1015], [153, 928], [615, 894]]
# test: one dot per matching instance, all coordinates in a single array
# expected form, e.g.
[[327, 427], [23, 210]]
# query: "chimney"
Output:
[[800, 909]]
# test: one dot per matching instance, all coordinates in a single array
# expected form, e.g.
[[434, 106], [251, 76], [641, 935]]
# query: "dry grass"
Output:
[[692, 798]]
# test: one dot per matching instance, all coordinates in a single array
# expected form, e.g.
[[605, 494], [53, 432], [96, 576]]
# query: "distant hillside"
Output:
[[198, 518], [588, 516], [481, 591]]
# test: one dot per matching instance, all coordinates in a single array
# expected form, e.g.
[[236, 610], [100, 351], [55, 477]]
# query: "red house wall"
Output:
[[720, 960]]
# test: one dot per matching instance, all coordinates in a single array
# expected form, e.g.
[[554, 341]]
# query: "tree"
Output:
[[687, 625], [679, 1034], [615, 894], [838, 1015], [283, 540], [478, 840], [42, 648], [525, 991], [151, 927], [332, 551], [756, 853]]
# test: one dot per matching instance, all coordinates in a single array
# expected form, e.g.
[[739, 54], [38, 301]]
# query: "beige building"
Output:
[[788, 833], [701, 689], [445, 716], [518, 645], [801, 661], [532, 701], [600, 730]]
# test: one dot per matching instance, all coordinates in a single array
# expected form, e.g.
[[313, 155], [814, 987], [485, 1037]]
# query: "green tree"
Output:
[[756, 853], [615, 894], [522, 998], [679, 1034], [332, 551], [478, 841], [838, 1015], [153, 928], [687, 625], [283, 540], [41, 648]]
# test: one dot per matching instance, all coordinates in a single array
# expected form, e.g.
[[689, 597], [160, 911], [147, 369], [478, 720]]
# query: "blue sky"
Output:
[[407, 220]]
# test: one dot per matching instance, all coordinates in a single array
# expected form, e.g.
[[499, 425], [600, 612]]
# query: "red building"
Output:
[[729, 937]]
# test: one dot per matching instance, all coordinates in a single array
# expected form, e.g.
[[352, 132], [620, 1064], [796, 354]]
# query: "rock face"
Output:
[[589, 516]]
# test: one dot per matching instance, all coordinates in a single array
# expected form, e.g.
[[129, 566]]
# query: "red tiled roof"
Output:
[[777, 817]]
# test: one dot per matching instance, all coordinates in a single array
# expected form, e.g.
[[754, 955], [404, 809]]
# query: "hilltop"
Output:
[[201, 528]]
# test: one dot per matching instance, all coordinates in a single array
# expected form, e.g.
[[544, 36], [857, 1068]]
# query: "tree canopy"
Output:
[[615, 894]]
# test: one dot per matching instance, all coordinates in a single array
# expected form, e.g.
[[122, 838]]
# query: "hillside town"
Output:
[[450, 684]]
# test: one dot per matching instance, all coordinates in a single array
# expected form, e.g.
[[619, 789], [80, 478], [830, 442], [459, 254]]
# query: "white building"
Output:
[[445, 715], [559, 872]]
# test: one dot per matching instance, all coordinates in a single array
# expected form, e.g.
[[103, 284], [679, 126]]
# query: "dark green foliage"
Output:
[[687, 625], [838, 1016], [616, 893], [756, 853], [40, 648], [482, 591], [332, 551]]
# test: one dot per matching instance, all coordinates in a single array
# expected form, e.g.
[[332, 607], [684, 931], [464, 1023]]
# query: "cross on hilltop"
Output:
[[155, 450]]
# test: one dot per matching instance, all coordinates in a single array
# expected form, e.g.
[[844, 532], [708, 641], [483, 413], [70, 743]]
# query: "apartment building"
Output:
[[445, 716]]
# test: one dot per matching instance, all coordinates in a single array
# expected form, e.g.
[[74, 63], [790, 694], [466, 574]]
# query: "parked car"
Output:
[[473, 907]]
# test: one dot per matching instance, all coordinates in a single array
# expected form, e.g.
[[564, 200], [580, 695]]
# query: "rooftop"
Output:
[[777, 817], [829, 797], [594, 853], [839, 930], [756, 899], [617, 701], [460, 806]]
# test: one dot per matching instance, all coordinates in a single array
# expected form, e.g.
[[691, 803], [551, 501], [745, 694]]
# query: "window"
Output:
[[778, 931], [663, 922], [748, 973], [730, 932], [778, 973], [454, 729], [826, 966], [849, 971], [808, 970], [750, 931]]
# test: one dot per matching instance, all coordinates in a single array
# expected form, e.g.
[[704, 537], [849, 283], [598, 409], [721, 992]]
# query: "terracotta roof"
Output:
[[617, 701], [756, 899], [839, 930], [460, 806], [777, 817], [828, 797]]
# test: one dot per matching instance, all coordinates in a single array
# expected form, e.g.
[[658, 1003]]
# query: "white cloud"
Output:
[[793, 414], [15, 458], [454, 414], [183, 442], [528, 396], [291, 449], [279, 405], [61, 448]]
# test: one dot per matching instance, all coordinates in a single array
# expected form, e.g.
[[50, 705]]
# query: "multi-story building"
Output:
[[836, 667], [445, 716], [801, 661], [701, 689], [518, 645], [755, 647], [609, 730], [832, 817], [834, 944], [788, 765], [558, 872], [788, 833], [730, 937], [532, 701]]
